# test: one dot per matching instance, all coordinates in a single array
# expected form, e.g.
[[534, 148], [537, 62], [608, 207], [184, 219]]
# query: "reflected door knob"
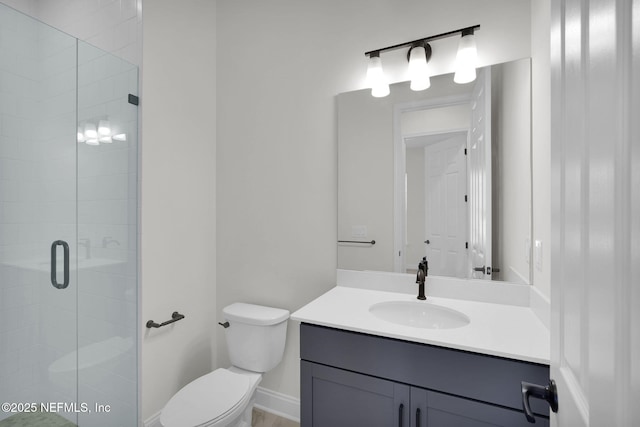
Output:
[[479, 269], [427, 241]]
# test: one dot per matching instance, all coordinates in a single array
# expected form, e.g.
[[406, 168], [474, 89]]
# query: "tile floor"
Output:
[[36, 419], [266, 419]]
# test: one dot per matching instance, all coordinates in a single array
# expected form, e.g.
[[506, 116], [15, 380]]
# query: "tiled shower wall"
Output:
[[112, 25]]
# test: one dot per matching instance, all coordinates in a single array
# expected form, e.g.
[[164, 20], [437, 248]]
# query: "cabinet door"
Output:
[[336, 398], [430, 409]]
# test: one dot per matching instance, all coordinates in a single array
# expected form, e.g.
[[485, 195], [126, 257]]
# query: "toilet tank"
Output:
[[255, 336]]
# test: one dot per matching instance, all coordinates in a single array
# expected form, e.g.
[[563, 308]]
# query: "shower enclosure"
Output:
[[68, 230]]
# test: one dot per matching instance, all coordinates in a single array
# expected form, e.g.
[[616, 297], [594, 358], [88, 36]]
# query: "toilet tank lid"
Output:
[[252, 314]]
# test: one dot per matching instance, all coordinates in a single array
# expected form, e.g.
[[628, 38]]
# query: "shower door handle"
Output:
[[54, 259]]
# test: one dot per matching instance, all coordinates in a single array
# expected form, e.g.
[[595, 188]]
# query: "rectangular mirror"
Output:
[[444, 173]]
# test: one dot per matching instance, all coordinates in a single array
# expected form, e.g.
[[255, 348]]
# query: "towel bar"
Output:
[[174, 318]]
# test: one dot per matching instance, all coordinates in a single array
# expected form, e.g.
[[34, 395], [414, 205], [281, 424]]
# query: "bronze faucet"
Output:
[[423, 267]]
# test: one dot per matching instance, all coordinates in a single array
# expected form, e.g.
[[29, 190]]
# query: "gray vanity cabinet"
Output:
[[350, 379], [341, 398]]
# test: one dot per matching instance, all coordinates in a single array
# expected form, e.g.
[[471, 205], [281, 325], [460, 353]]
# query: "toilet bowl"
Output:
[[217, 399], [255, 336]]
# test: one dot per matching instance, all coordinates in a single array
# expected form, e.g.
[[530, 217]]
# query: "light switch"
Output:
[[537, 256], [359, 231]]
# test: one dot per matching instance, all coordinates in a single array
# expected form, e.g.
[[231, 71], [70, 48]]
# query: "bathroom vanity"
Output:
[[360, 370]]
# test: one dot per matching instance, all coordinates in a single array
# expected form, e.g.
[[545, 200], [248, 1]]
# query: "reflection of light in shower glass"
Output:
[[103, 128], [90, 131], [103, 133]]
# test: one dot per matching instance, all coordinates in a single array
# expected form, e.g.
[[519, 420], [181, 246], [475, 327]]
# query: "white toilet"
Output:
[[255, 337]]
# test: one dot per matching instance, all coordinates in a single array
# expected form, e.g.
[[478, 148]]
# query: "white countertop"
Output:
[[510, 331]]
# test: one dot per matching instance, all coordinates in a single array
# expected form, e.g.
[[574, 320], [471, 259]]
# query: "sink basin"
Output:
[[419, 315]]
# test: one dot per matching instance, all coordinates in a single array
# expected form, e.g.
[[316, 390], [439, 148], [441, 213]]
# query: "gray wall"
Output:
[[178, 201]]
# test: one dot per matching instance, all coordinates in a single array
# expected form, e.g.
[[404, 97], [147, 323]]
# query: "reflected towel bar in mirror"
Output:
[[373, 242]]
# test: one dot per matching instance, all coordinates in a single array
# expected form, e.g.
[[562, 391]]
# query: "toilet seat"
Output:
[[207, 400]]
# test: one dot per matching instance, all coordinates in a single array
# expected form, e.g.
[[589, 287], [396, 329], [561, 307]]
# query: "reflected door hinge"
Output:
[[465, 197], [465, 151], [134, 99], [466, 245]]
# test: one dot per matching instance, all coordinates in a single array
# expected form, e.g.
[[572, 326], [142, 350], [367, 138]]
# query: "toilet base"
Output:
[[243, 420]]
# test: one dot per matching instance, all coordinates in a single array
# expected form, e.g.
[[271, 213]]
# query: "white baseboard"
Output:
[[267, 400], [278, 404], [153, 421]]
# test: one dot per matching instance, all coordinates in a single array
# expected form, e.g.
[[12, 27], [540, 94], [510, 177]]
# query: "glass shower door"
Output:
[[107, 225], [38, 251]]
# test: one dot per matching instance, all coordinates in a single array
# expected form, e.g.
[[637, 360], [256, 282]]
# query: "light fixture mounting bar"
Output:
[[425, 39]]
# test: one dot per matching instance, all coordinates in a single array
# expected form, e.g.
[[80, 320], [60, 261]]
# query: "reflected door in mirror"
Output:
[[445, 211]]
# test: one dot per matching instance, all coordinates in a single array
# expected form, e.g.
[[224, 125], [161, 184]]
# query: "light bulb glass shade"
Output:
[[81, 137], [380, 91], [420, 83], [466, 60], [376, 79], [90, 131], [120, 137], [419, 69], [105, 139], [103, 128], [92, 141]]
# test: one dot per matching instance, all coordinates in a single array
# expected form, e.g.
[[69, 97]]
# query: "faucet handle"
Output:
[[480, 269], [107, 240]]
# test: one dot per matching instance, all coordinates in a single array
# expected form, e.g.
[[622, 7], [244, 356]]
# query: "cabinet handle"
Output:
[[418, 417], [548, 393], [400, 414]]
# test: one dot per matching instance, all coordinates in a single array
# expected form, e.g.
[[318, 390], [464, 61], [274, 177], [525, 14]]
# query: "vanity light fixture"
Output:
[[375, 76], [419, 55], [466, 58]]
